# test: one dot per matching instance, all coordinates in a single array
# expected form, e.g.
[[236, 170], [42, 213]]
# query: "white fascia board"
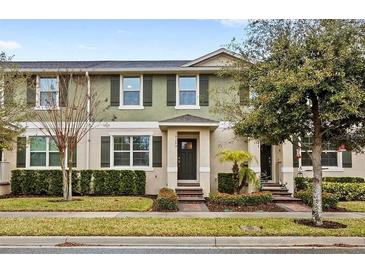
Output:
[[189, 124], [103, 125], [210, 55]]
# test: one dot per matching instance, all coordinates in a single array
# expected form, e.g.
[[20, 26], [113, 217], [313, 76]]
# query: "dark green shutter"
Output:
[[157, 151], [31, 91], [21, 145], [147, 90], [115, 91], [204, 90], [105, 151], [171, 90], [346, 159], [64, 87], [243, 94], [8, 91]]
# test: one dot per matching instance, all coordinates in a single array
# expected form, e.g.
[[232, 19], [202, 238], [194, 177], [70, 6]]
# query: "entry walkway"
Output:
[[178, 214]]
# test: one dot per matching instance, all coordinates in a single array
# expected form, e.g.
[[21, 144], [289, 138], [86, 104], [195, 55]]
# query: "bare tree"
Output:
[[67, 118]]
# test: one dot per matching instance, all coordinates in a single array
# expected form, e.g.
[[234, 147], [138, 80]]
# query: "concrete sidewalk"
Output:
[[74, 241], [29, 214]]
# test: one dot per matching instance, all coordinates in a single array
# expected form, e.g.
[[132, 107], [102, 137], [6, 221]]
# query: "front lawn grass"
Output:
[[358, 206], [170, 227], [84, 203]]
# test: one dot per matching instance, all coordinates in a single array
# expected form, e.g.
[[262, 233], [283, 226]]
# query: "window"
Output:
[[43, 152], [131, 151], [329, 154], [187, 90], [132, 91], [48, 92]]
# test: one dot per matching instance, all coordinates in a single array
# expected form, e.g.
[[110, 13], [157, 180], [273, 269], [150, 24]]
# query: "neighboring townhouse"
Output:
[[157, 118]]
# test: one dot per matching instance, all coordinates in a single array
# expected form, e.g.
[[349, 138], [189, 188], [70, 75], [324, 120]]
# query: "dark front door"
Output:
[[266, 162], [186, 159]]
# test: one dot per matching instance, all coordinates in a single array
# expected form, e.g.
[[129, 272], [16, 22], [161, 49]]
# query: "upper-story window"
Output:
[[48, 92], [132, 95], [188, 91]]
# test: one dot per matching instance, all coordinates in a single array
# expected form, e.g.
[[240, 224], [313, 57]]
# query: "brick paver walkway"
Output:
[[295, 207], [193, 207]]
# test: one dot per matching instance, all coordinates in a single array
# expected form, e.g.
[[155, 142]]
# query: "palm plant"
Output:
[[242, 174]]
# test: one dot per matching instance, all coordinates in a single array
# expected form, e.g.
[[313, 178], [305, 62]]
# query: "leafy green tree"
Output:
[[306, 78], [13, 110], [242, 174]]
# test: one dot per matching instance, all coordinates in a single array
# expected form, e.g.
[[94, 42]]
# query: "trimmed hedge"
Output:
[[166, 200], [340, 179], [346, 191], [301, 183], [84, 182], [225, 183], [256, 198], [329, 200]]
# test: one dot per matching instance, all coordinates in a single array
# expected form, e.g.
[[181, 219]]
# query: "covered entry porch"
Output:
[[188, 151]]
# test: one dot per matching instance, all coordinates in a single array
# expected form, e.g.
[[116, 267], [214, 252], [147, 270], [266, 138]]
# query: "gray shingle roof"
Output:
[[99, 64], [187, 118]]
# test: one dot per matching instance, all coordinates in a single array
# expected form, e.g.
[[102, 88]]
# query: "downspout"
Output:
[[88, 120]]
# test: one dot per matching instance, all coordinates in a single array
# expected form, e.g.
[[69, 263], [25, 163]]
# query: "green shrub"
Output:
[[346, 191], [128, 182], [329, 200], [166, 200], [100, 182], [225, 183], [340, 179], [140, 182], [343, 179], [85, 181], [256, 198], [17, 181], [301, 183]]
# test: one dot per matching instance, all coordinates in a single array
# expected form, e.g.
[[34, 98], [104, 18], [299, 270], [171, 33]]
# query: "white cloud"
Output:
[[9, 45], [233, 22], [82, 46], [121, 31]]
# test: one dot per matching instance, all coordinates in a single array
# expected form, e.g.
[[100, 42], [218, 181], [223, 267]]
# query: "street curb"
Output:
[[182, 241]]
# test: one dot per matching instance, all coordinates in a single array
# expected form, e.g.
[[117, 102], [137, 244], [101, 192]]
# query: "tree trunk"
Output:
[[64, 176], [70, 176], [316, 162], [317, 184], [235, 170]]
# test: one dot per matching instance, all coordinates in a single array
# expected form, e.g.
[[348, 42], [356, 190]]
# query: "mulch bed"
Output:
[[270, 207], [326, 224]]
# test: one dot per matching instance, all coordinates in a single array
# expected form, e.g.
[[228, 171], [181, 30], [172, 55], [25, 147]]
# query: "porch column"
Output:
[[254, 148], [287, 170], [172, 158], [204, 161]]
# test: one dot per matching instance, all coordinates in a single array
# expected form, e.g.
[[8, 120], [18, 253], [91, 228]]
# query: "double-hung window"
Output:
[[43, 152], [131, 151], [188, 91], [131, 91], [329, 154], [48, 92]]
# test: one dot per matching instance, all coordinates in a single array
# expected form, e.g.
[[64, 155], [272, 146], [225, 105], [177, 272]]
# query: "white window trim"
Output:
[[47, 166], [38, 94], [131, 167], [178, 106], [337, 168], [121, 88]]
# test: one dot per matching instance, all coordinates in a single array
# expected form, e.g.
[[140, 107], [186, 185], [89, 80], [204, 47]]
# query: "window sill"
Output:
[[46, 108], [187, 107], [130, 168], [131, 107], [325, 169]]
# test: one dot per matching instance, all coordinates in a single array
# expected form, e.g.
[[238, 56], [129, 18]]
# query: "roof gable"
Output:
[[218, 58]]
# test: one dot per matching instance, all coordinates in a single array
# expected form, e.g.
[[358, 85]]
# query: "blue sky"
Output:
[[115, 39]]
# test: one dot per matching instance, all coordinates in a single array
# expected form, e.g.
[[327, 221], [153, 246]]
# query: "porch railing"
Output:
[[4, 172]]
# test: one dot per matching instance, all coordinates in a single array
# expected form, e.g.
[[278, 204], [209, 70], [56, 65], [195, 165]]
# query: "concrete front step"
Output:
[[188, 184], [277, 193], [285, 199], [281, 189], [191, 199]]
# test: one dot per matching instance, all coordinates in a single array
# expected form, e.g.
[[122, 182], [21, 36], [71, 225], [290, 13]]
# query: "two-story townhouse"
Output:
[[157, 118]]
